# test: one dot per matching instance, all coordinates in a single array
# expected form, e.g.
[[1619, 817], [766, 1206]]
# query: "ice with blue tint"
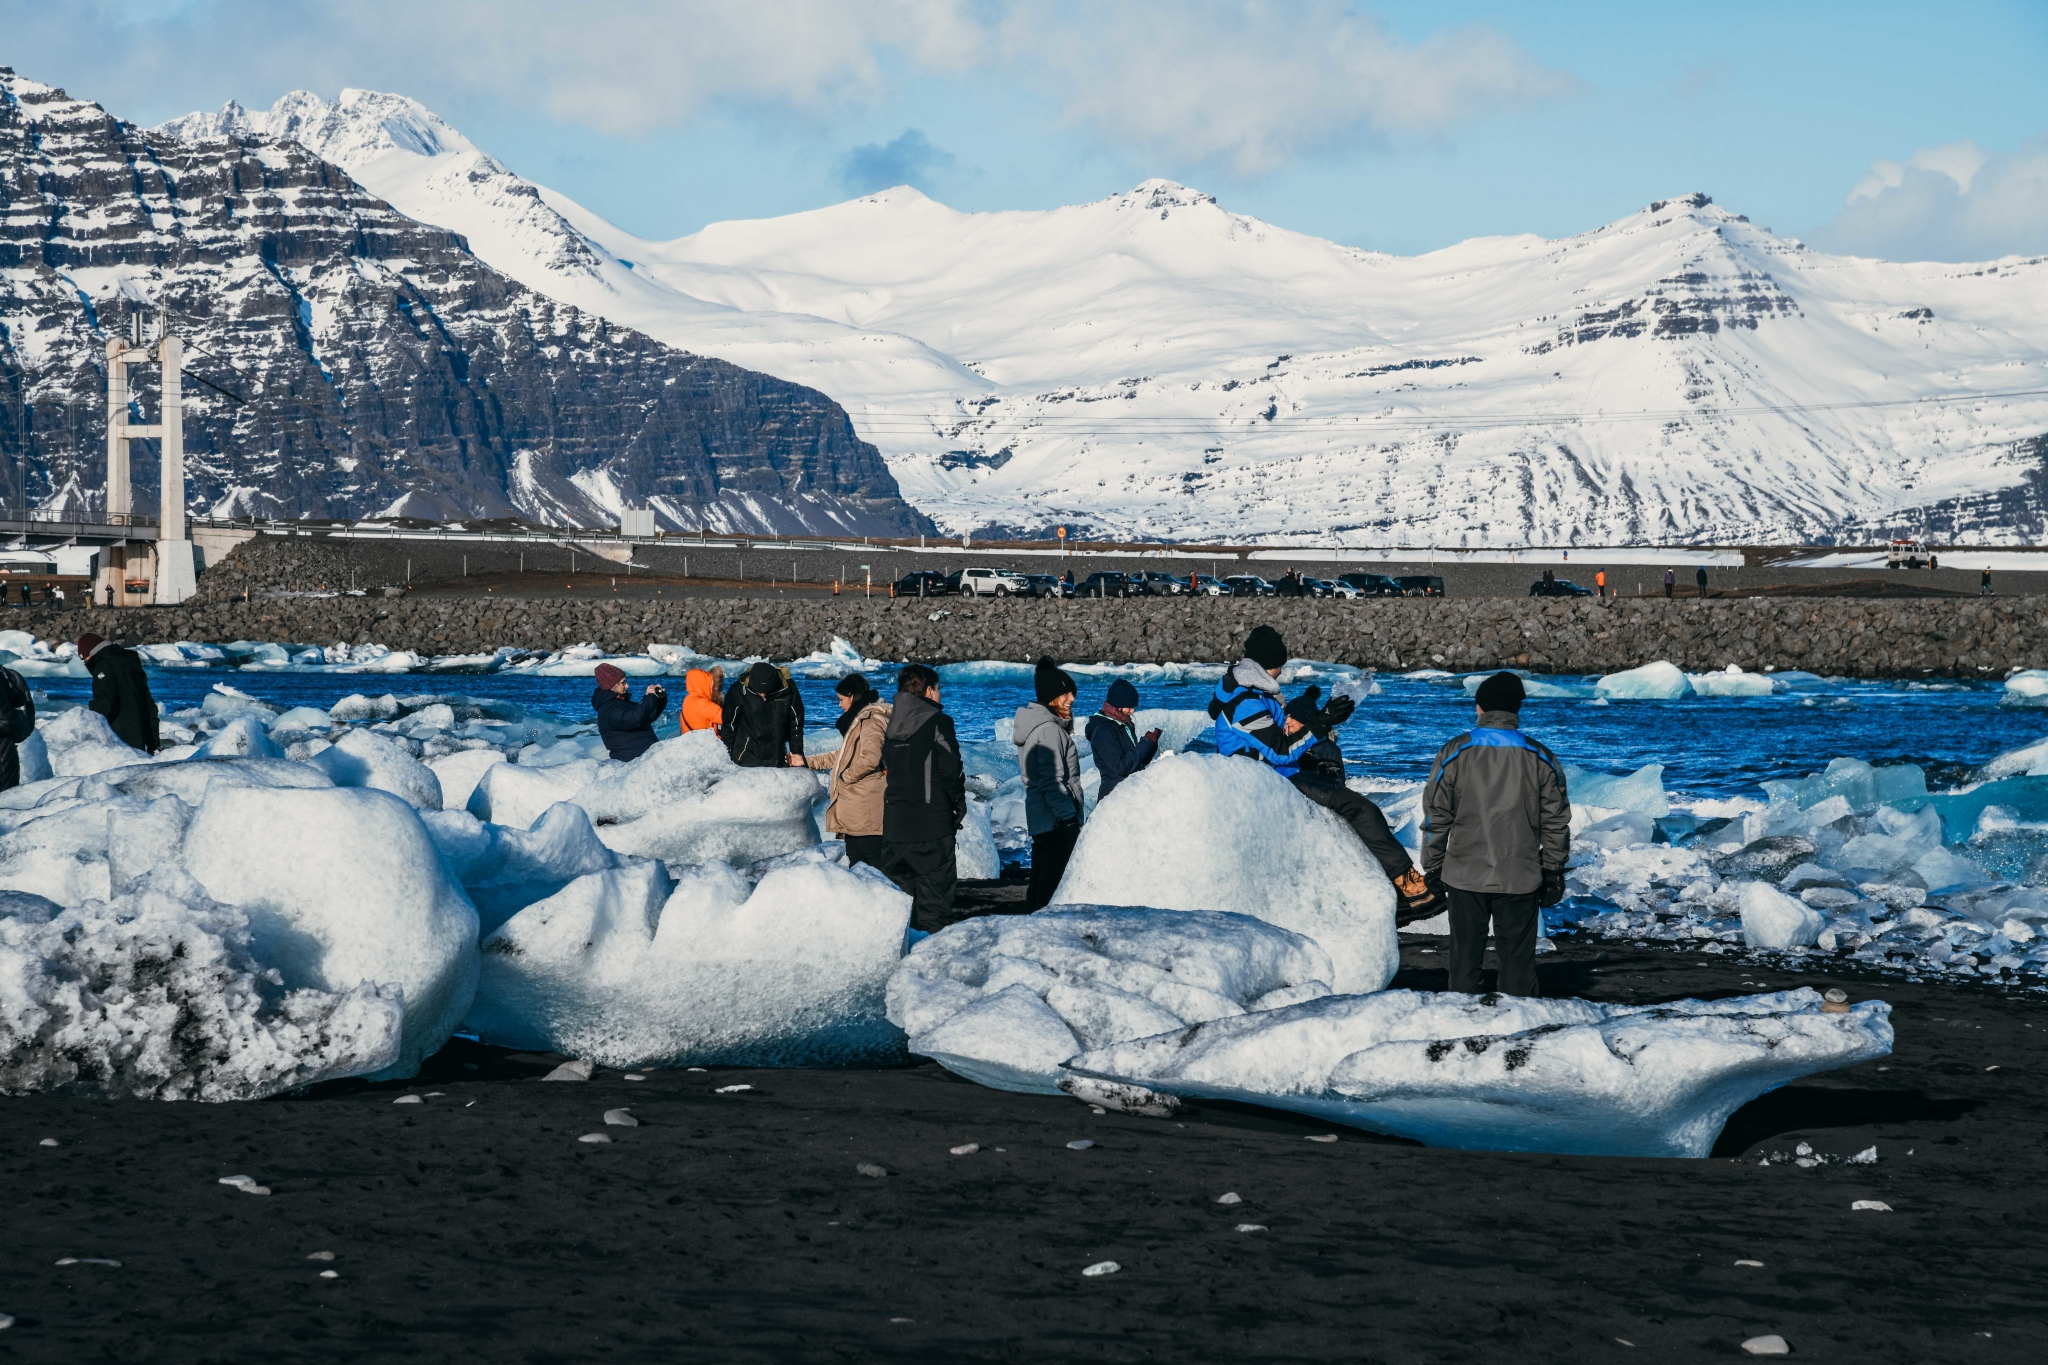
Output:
[[1641, 791], [2028, 688], [1532, 686], [1659, 681]]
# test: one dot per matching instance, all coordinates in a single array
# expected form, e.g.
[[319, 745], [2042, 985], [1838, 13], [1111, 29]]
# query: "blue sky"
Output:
[[1894, 129]]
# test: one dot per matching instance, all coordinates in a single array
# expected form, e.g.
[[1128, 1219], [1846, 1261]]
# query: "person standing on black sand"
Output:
[[1984, 583], [1252, 721], [1043, 732], [1670, 582], [764, 718], [17, 723], [1497, 830], [858, 781], [924, 801], [626, 726], [1699, 576], [120, 692]]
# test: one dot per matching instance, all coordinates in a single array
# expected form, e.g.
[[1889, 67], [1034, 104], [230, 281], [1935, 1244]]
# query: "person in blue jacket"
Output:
[[1253, 720], [626, 726], [1112, 737]]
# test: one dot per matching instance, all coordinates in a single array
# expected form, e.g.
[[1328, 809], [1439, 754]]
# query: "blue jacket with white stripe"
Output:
[[1495, 812], [1251, 718]]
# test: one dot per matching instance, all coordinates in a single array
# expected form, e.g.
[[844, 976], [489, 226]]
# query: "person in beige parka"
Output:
[[855, 812]]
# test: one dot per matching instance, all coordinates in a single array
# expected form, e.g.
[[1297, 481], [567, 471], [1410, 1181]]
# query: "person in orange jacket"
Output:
[[701, 689]]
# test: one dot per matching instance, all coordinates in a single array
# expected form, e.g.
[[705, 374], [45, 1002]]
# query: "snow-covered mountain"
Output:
[[1153, 365]]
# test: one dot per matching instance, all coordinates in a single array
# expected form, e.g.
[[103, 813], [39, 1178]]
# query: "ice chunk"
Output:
[[1859, 784], [504, 870], [357, 708], [361, 758], [1772, 919], [192, 778], [80, 742], [343, 885], [35, 759], [1731, 682], [1641, 791], [1944, 870], [1532, 686], [158, 994], [994, 998], [1203, 832], [974, 847], [1508, 1073], [1626, 830], [242, 737], [515, 794], [2028, 688], [618, 969], [686, 801], [458, 774], [2027, 761], [301, 718], [1659, 681], [1176, 728]]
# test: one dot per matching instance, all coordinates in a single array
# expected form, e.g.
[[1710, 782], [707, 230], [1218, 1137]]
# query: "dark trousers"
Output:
[[871, 849], [1362, 815], [1667, 590], [924, 869], [1049, 854], [1514, 917]]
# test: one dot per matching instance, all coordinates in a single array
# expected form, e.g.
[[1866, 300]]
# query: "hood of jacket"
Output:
[[1031, 717], [911, 712], [698, 682], [765, 680], [1252, 673]]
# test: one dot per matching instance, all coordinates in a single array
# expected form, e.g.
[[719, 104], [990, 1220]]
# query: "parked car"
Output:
[[1372, 584], [1204, 585], [1250, 585], [1557, 587], [988, 583], [1160, 584], [1318, 587], [923, 583], [1048, 585], [1107, 585], [1422, 585]]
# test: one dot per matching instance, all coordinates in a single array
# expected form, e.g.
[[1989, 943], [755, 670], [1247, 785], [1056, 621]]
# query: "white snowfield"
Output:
[[1004, 1000], [1680, 375], [1203, 832], [1509, 1074]]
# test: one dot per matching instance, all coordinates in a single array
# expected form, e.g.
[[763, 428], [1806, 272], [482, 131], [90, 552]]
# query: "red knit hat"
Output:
[[87, 643], [609, 676]]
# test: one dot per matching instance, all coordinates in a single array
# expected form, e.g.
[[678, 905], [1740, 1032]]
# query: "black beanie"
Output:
[[1051, 682], [1265, 648], [1501, 692]]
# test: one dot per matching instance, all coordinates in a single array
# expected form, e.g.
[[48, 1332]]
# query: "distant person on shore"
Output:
[[1499, 831], [1550, 575], [1984, 584], [120, 692], [626, 726], [1252, 720], [1670, 583], [1043, 732], [701, 710], [858, 781], [17, 723], [1699, 576], [1114, 739], [1600, 584], [763, 718], [1067, 583], [924, 800]]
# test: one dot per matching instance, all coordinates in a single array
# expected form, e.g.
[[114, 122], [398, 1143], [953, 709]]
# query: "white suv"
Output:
[[993, 583]]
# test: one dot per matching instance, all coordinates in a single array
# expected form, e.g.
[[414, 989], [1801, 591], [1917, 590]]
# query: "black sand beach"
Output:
[[737, 1227]]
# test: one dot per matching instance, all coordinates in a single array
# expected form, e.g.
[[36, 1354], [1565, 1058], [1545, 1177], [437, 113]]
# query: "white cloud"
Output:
[[1955, 202]]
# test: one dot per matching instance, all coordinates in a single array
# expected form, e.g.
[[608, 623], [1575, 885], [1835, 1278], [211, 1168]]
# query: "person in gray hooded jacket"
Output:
[[1044, 735], [1497, 825]]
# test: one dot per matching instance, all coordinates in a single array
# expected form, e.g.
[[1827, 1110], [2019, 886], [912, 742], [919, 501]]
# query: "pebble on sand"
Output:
[[408, 1099], [577, 1070], [1251, 1227], [1770, 1344], [1079, 1145], [1322, 1137], [595, 1137], [632, 1076], [1102, 1268], [320, 1256], [621, 1118], [870, 1170], [246, 1184], [1233, 1197], [731, 1089], [87, 1260], [6, 1321], [1870, 1206], [49, 1142], [330, 1274], [1758, 1264], [965, 1149]]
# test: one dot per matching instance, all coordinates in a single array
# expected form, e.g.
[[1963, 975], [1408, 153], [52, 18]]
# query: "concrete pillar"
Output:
[[177, 571], [119, 496]]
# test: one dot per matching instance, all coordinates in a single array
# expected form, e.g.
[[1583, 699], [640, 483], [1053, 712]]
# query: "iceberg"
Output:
[[1004, 999], [1659, 681], [629, 968], [1203, 832], [362, 758], [504, 870], [1504, 1073], [1731, 682], [2028, 688], [1772, 919], [516, 794], [2029, 760], [686, 801], [80, 742], [1641, 791], [459, 772]]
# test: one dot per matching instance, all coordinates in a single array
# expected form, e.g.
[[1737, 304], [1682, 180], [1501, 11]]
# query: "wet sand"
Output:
[[737, 1227]]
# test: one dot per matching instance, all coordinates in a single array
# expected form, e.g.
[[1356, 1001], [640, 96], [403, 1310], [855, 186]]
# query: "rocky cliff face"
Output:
[[376, 366]]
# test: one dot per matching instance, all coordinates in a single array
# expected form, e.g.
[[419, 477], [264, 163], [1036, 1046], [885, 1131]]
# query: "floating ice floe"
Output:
[[2028, 688], [632, 968], [157, 994], [1005, 999], [1541, 688], [1732, 682], [1659, 681], [1202, 832], [1508, 1073]]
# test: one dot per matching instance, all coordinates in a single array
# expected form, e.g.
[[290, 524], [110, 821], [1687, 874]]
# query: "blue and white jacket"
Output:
[[1496, 816], [1251, 718]]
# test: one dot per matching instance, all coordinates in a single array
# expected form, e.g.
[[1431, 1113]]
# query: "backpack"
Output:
[[18, 705]]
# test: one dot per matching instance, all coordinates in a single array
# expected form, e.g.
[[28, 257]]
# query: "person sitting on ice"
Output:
[[1499, 827], [626, 726], [1252, 720], [858, 779], [1119, 751], [764, 718]]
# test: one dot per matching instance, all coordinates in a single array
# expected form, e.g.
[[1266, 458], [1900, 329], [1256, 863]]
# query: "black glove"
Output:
[[1338, 711], [1434, 879], [1553, 888]]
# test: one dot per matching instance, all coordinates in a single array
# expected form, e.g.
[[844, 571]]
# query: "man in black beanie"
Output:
[[1252, 720], [1499, 828], [1050, 764]]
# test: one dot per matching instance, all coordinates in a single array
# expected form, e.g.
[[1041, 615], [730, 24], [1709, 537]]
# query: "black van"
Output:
[[1421, 585], [1371, 584]]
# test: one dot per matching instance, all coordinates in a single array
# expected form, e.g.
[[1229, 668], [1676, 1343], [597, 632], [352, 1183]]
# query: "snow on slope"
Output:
[[1152, 365]]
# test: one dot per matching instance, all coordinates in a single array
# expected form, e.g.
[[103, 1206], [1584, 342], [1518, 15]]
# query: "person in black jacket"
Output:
[[925, 800], [626, 726], [120, 691], [17, 723], [1114, 740], [764, 718]]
